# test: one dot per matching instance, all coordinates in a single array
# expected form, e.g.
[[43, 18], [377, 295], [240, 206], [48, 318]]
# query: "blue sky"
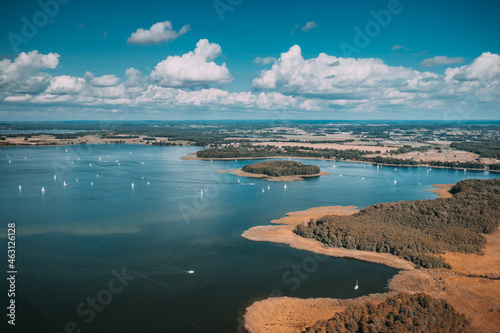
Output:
[[74, 65]]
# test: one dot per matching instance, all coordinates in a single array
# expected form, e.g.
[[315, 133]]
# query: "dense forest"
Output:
[[486, 149], [400, 313], [415, 230], [281, 168], [270, 151]]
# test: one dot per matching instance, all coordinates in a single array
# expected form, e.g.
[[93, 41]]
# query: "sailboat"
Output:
[[55, 177], [19, 187], [395, 181], [43, 189], [132, 185], [201, 192], [64, 183], [238, 180], [268, 187], [285, 187], [356, 286], [263, 190]]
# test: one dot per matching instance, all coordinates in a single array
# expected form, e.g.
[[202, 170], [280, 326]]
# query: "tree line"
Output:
[[486, 149], [401, 313]]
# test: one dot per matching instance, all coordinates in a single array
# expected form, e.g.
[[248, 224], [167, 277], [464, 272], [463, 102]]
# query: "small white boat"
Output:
[[64, 184], [340, 175], [395, 181], [43, 189], [97, 175], [66, 150], [396, 169], [268, 187], [263, 190], [190, 271], [55, 177], [142, 162], [238, 180], [19, 187], [10, 161], [201, 192], [465, 170], [90, 164], [148, 183], [285, 187], [356, 287], [76, 180], [24, 157], [363, 178], [132, 185], [142, 178]]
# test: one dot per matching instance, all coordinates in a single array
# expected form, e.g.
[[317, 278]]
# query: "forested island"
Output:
[[401, 313], [417, 230], [281, 168]]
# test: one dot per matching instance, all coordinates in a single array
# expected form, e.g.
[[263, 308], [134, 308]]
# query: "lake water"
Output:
[[70, 239]]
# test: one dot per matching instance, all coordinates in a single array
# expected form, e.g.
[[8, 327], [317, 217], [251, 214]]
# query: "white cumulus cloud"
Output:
[[264, 61], [194, 68], [309, 26], [159, 32], [486, 67], [65, 84], [107, 80], [23, 74], [441, 60]]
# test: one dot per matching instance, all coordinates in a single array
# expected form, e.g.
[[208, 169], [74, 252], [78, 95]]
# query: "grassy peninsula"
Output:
[[417, 230]]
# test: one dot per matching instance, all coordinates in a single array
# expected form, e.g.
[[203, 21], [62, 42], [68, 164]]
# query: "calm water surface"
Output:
[[70, 239]]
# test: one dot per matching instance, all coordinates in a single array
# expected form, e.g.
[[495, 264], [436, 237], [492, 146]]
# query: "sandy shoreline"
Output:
[[471, 286], [442, 190], [239, 172]]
